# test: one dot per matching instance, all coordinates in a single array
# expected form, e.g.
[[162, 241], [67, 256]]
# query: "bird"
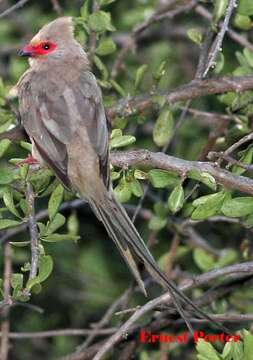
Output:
[[61, 109]]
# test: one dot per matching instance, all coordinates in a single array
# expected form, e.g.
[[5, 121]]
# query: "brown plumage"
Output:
[[62, 111]]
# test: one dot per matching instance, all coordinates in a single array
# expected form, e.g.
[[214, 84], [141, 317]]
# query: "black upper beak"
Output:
[[24, 53]]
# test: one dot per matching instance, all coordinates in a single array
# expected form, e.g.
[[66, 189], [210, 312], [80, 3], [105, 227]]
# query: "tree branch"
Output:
[[34, 236], [238, 269], [192, 90], [15, 7], [217, 45], [181, 167]]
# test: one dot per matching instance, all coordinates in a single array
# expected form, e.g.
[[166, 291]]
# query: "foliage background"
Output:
[[88, 274]]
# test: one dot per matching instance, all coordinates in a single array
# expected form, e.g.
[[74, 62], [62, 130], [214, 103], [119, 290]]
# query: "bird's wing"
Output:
[[53, 110], [90, 106]]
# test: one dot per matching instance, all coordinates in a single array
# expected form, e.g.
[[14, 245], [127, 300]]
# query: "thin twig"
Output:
[[231, 161], [56, 6], [200, 242], [191, 90], [240, 39], [15, 7], [56, 333], [34, 236], [160, 14], [217, 45], [104, 320], [240, 142], [93, 35]]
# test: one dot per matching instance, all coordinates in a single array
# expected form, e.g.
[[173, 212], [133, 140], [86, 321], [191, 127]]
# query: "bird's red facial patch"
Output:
[[41, 48]]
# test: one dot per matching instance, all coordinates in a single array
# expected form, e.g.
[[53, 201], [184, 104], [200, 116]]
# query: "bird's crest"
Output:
[[61, 28]]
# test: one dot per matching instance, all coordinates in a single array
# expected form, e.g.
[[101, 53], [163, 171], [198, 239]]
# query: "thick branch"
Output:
[[192, 90], [181, 167]]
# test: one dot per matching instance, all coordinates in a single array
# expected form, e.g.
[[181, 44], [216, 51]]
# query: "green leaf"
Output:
[[203, 259], [45, 269], [207, 206], [118, 88], [160, 72], [195, 35], [139, 75], [176, 199], [116, 133], [24, 207], [136, 187], [41, 179], [160, 209], [58, 221], [220, 7], [51, 238], [105, 47], [249, 56], [123, 191], [17, 280], [55, 201], [227, 351], [163, 129], [157, 223], [73, 224], [237, 351], [203, 177], [162, 178], [84, 11], [19, 243], [237, 207], [23, 170], [4, 146], [248, 345], [115, 175], [6, 176], [245, 7], [220, 63], [101, 67], [246, 159], [122, 141], [227, 257], [140, 175], [206, 351], [26, 145], [242, 22], [9, 202], [8, 223], [105, 2], [100, 21]]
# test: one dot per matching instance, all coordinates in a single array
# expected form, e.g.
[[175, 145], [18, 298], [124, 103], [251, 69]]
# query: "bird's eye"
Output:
[[46, 46]]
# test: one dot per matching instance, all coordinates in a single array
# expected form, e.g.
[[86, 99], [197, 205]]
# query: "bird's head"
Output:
[[53, 43]]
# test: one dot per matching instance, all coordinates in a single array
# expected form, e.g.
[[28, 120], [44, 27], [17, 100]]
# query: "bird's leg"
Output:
[[30, 160]]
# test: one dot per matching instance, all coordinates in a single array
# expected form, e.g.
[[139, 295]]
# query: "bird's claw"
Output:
[[30, 160]]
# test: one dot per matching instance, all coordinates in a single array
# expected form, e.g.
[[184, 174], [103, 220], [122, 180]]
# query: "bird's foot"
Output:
[[30, 160]]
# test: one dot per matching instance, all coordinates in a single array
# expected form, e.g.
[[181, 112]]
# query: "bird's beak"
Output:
[[26, 51]]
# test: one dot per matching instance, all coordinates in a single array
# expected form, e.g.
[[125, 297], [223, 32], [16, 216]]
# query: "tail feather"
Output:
[[129, 242], [124, 250]]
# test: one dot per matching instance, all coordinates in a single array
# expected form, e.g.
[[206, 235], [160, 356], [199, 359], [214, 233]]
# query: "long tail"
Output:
[[130, 244]]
